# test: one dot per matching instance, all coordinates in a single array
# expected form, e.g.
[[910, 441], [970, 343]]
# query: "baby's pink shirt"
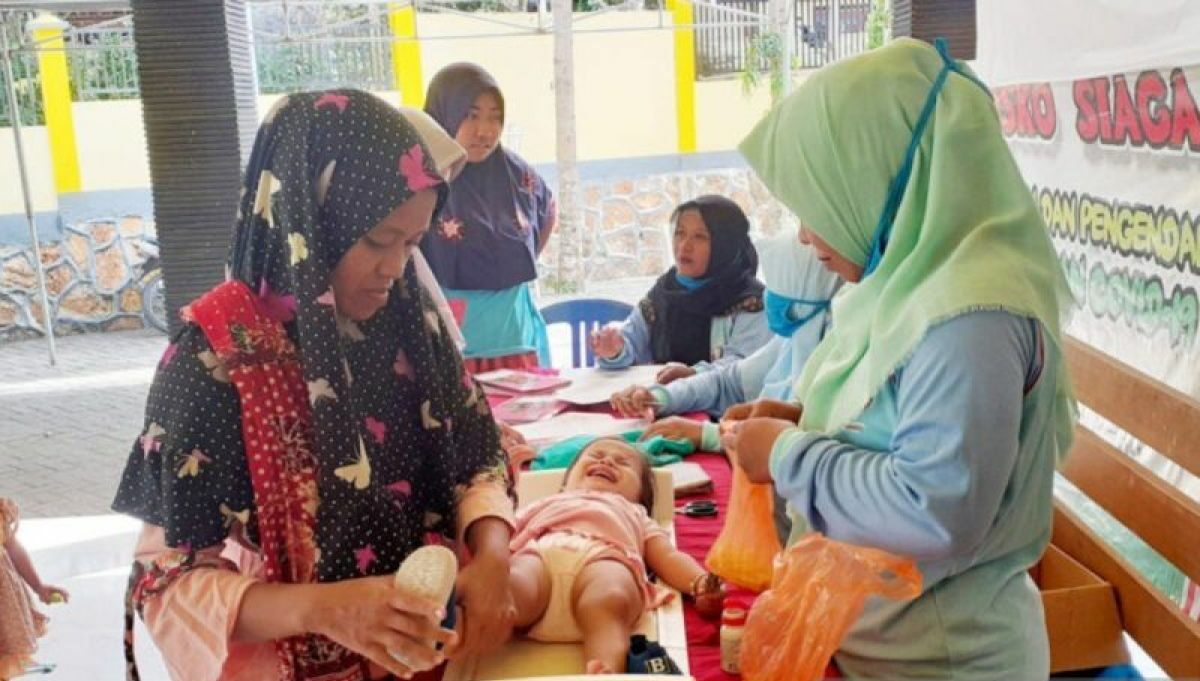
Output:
[[604, 516]]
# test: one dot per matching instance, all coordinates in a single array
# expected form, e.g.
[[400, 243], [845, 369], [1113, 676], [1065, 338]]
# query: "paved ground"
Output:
[[65, 430]]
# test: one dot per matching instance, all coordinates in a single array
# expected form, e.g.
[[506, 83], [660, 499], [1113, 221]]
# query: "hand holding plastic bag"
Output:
[[817, 593], [744, 552]]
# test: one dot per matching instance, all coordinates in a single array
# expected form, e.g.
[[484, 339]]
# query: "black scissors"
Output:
[[698, 509]]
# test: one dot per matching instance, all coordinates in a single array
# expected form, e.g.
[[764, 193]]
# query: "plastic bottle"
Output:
[[733, 622]]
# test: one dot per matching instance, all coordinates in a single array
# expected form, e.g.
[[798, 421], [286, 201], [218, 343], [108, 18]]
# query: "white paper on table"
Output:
[[575, 423], [688, 475], [596, 386]]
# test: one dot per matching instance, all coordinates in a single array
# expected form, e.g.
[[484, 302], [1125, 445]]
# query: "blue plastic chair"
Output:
[[585, 315]]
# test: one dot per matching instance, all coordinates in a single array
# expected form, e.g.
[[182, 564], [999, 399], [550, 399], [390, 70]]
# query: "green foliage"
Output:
[[28, 87], [103, 68], [879, 24], [764, 57], [287, 61]]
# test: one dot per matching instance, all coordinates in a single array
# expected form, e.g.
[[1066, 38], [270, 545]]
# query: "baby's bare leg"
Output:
[[530, 584], [607, 603]]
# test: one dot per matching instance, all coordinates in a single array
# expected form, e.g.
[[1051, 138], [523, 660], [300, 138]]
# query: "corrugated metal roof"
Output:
[[198, 103]]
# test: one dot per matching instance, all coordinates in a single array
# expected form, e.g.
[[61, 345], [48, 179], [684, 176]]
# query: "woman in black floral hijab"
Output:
[[313, 420]]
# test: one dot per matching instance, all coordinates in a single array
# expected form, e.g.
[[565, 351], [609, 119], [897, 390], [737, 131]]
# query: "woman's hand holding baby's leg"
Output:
[[529, 582]]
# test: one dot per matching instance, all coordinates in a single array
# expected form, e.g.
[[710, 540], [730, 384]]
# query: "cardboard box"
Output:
[[1081, 614]]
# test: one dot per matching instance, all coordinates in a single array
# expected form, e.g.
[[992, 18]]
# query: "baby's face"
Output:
[[609, 466]]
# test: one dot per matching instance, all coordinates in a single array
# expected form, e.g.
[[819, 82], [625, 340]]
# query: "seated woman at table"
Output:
[[580, 558], [706, 310], [797, 305]]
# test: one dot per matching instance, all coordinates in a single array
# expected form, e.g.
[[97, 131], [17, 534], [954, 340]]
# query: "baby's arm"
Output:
[[681, 572], [20, 560], [676, 568]]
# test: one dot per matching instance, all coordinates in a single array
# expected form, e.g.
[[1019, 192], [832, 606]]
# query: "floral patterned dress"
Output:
[[20, 624]]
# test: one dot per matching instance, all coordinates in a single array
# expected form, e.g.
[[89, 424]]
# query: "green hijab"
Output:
[[966, 235]]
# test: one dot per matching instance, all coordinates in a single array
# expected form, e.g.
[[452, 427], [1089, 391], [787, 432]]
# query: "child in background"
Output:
[[20, 624], [580, 558]]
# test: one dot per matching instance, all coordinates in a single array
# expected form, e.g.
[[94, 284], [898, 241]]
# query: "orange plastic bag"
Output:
[[818, 592], [744, 552]]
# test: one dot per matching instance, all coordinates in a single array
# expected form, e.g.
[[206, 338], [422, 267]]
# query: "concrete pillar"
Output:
[[196, 67], [406, 54], [685, 74], [47, 31]]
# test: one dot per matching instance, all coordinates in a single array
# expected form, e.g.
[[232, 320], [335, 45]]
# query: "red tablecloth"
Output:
[[695, 536]]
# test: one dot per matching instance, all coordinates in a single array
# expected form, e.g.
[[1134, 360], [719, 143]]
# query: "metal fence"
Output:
[[301, 47], [102, 61], [310, 47], [724, 33], [28, 85], [292, 66], [825, 30]]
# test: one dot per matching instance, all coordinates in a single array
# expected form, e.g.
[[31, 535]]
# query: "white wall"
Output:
[[725, 113], [625, 100], [41, 178], [624, 81], [111, 141]]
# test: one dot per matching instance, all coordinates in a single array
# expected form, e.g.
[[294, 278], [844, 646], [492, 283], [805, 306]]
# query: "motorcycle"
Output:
[[154, 292]]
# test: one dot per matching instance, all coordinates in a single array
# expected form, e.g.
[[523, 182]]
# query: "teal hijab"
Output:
[[658, 450]]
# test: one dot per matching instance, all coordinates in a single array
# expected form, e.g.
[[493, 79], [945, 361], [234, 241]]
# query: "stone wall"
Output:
[[93, 274], [92, 278], [626, 222]]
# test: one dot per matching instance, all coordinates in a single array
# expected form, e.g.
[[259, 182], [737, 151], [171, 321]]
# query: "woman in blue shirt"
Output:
[[797, 297], [936, 408], [706, 309]]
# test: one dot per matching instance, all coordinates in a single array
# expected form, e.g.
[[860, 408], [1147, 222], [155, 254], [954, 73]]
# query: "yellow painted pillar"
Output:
[[685, 74], [47, 31], [406, 54]]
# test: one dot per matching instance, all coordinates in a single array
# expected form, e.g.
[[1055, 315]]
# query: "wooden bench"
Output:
[[1167, 421]]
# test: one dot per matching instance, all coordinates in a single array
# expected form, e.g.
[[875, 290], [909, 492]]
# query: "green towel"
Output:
[[659, 450]]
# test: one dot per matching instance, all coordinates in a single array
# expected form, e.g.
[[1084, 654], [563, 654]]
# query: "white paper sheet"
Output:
[[575, 423], [688, 475], [596, 386]]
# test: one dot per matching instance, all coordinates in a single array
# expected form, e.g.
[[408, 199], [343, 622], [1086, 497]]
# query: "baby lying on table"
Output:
[[580, 558]]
